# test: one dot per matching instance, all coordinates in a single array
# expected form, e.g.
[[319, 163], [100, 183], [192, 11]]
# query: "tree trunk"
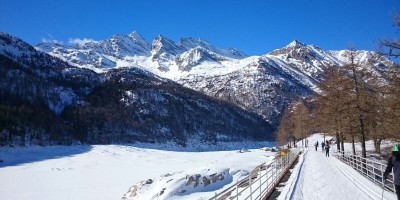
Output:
[[294, 141], [338, 140], [362, 131], [377, 145], [353, 145], [342, 142], [357, 90]]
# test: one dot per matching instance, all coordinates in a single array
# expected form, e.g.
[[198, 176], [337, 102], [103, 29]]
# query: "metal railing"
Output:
[[369, 168], [262, 181]]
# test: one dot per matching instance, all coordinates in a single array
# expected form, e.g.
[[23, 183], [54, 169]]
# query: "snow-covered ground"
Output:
[[108, 172], [132, 172], [319, 177]]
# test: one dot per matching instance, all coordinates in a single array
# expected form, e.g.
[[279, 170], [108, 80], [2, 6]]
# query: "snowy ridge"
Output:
[[164, 46], [13, 46], [20, 51], [192, 57], [161, 57], [56, 97], [262, 84], [195, 57]]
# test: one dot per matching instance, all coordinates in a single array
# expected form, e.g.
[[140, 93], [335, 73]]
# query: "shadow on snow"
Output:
[[24, 155]]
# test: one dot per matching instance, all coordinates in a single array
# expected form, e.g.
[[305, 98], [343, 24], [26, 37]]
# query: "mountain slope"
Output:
[[262, 84], [261, 87], [46, 101], [163, 57]]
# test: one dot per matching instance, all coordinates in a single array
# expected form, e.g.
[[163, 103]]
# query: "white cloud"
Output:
[[51, 40], [81, 42]]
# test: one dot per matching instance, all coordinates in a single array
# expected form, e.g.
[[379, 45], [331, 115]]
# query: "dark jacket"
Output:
[[393, 162]]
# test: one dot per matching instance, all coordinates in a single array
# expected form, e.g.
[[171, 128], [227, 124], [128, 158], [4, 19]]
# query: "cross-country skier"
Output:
[[394, 162], [327, 146]]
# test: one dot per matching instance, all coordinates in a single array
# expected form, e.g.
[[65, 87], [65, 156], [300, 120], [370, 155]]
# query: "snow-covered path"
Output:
[[320, 177]]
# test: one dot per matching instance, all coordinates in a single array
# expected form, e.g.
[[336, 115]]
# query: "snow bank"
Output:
[[180, 185]]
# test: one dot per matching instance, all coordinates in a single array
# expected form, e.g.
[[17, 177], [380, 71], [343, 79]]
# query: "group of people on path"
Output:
[[324, 145]]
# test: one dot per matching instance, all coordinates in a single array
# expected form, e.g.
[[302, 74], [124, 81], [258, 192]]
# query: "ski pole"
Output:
[[383, 187]]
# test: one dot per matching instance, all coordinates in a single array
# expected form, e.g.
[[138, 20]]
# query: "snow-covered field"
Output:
[[145, 172], [109, 171]]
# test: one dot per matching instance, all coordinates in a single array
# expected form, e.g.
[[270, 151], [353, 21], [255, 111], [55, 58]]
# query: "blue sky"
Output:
[[253, 26]]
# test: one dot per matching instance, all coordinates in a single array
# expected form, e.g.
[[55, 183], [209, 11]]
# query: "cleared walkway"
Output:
[[322, 177]]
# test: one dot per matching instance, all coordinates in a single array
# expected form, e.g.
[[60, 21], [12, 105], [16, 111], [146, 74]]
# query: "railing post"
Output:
[[251, 192], [267, 177], [394, 188], [275, 169], [358, 163], [259, 170], [383, 180], [237, 190]]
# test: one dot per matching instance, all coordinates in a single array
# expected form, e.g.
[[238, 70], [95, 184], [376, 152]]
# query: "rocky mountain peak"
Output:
[[190, 43], [233, 53], [136, 37], [295, 44], [193, 57], [126, 45], [162, 44]]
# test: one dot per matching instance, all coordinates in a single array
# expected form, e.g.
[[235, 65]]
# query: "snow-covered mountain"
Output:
[[44, 101], [98, 55], [263, 84], [87, 82], [162, 57]]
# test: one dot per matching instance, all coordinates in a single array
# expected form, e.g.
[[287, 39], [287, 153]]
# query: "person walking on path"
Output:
[[316, 146], [322, 145], [327, 146], [394, 163]]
